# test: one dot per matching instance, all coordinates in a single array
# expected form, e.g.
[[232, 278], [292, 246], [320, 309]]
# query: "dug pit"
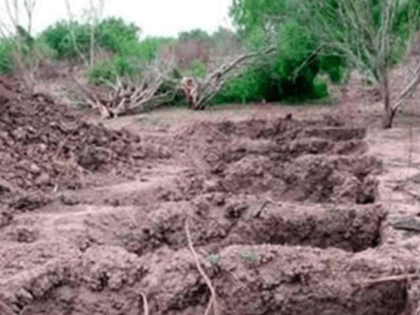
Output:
[[282, 214]]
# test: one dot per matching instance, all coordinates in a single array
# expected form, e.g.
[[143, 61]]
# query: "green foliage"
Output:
[[291, 74], [26, 40], [194, 35], [21, 52], [109, 70], [317, 36], [372, 35], [334, 66], [149, 48], [114, 35], [274, 79], [111, 34], [176, 74], [198, 68], [103, 70], [67, 40], [6, 58], [63, 37]]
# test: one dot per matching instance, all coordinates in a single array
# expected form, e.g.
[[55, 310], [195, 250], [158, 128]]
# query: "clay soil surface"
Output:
[[316, 212]]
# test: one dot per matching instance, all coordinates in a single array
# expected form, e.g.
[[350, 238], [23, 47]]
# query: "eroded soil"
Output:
[[287, 215]]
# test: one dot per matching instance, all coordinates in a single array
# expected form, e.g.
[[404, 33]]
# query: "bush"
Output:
[[198, 69], [6, 57], [194, 35], [274, 79], [149, 48], [59, 37], [250, 86], [288, 75], [112, 35], [109, 70]]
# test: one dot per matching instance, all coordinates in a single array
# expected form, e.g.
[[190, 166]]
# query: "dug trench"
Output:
[[283, 214]]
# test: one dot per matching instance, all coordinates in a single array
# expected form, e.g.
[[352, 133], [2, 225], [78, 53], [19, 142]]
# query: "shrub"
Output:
[[149, 48], [274, 79], [6, 57], [59, 37], [109, 70], [114, 35], [198, 69], [194, 35]]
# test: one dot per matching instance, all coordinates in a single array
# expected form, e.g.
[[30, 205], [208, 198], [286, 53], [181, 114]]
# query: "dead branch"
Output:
[[72, 34], [94, 13], [408, 90], [145, 305], [213, 302], [29, 8], [25, 56], [405, 277], [157, 87], [146, 95], [215, 81]]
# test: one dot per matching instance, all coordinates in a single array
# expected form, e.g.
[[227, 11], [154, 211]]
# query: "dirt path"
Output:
[[306, 215]]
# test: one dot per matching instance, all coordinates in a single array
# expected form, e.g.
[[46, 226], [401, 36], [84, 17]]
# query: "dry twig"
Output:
[[405, 277], [213, 301], [215, 81], [145, 305]]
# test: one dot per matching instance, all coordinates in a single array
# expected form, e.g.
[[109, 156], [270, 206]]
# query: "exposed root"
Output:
[[405, 277], [213, 301], [145, 305]]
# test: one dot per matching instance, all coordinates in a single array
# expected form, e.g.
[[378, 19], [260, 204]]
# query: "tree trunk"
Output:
[[388, 117], [389, 114]]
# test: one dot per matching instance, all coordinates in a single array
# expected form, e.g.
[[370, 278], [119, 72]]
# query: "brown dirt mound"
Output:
[[250, 280], [43, 145], [282, 215], [290, 160], [250, 221]]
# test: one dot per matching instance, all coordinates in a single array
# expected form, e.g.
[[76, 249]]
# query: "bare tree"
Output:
[[29, 6], [353, 30], [72, 33], [94, 14], [25, 56]]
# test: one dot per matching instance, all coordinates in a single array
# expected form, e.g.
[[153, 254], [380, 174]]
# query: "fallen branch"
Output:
[[157, 88], [215, 81], [145, 305], [213, 302], [405, 277]]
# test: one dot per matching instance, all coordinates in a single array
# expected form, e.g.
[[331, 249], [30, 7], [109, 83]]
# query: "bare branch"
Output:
[[215, 81], [72, 34], [397, 278], [145, 305], [213, 302]]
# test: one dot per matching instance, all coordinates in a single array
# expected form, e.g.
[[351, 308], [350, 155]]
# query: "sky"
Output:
[[154, 17]]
